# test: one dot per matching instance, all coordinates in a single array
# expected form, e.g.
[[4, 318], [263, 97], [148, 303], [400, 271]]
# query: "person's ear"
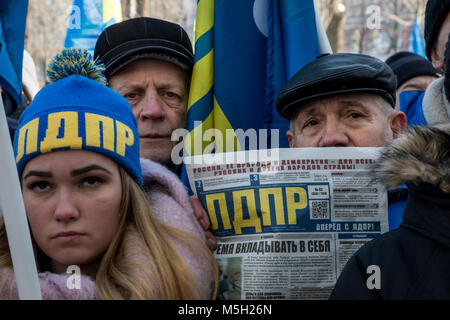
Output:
[[437, 59], [290, 137], [398, 123]]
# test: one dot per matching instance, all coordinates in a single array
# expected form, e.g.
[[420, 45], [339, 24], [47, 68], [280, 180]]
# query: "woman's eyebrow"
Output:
[[35, 173], [76, 172]]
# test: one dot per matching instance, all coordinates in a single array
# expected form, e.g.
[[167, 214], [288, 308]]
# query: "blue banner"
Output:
[[245, 51], [13, 15]]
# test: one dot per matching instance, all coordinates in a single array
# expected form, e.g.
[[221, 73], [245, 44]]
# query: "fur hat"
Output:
[[421, 155], [78, 111]]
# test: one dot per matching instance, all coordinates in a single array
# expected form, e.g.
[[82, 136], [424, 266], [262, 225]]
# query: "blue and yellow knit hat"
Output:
[[78, 111]]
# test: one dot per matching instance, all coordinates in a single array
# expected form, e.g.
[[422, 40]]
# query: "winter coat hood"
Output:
[[420, 156], [421, 159], [413, 260]]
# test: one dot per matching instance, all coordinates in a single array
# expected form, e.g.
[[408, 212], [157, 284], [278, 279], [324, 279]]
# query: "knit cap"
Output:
[[408, 65], [77, 111]]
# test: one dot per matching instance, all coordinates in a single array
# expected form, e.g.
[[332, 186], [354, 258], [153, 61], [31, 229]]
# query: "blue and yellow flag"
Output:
[[245, 51], [13, 14], [87, 21]]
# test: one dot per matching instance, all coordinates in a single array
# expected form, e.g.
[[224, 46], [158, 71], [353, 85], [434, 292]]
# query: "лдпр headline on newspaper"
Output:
[[287, 220]]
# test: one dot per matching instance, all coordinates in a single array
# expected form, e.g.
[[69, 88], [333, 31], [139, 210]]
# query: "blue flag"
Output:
[[13, 14], [87, 21], [245, 51], [416, 41]]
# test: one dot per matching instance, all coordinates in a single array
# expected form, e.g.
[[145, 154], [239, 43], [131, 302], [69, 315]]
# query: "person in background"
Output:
[[436, 31], [428, 107], [413, 72], [77, 155], [149, 62], [431, 106]]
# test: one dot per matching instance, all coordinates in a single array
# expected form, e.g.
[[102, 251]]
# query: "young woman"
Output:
[[77, 154]]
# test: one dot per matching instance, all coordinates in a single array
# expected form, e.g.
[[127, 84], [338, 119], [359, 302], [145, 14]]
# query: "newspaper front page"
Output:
[[287, 220]]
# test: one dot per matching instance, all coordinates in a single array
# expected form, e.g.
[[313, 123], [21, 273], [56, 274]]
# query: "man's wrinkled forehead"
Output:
[[356, 100], [174, 75]]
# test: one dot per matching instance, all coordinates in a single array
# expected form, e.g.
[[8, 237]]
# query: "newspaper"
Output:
[[286, 223]]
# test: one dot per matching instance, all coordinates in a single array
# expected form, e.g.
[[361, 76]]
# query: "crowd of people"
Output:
[[93, 151]]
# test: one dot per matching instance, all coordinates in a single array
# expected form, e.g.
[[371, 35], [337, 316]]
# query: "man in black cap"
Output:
[[413, 72], [149, 61], [343, 100]]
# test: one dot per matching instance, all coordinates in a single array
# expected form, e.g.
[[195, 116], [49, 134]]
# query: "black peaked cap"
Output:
[[122, 41], [337, 73]]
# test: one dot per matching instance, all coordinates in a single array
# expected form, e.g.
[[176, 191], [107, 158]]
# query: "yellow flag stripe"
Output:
[[196, 142], [202, 78], [222, 123], [205, 17], [193, 142]]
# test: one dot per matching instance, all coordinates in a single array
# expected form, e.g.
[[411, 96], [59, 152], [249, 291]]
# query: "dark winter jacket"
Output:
[[412, 262]]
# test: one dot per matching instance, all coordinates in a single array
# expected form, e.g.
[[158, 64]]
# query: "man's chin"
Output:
[[160, 154]]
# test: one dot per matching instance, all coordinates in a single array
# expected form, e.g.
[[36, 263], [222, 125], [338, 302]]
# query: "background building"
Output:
[[375, 27]]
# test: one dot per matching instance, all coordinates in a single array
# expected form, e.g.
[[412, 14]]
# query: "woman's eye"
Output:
[[40, 186], [91, 181]]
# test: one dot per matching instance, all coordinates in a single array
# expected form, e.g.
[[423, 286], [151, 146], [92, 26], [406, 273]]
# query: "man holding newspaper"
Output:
[[293, 220], [344, 100]]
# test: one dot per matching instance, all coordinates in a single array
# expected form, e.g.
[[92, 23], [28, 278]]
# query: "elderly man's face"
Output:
[[345, 120], [158, 94]]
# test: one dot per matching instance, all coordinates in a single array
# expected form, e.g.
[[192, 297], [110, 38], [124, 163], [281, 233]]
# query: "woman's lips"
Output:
[[68, 236]]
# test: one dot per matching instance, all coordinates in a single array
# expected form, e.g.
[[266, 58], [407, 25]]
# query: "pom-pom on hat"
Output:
[[77, 111]]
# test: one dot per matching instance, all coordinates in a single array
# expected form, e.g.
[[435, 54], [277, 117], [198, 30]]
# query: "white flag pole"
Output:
[[16, 223], [324, 43]]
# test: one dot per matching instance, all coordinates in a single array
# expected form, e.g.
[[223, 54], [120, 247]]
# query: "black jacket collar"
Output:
[[428, 212]]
